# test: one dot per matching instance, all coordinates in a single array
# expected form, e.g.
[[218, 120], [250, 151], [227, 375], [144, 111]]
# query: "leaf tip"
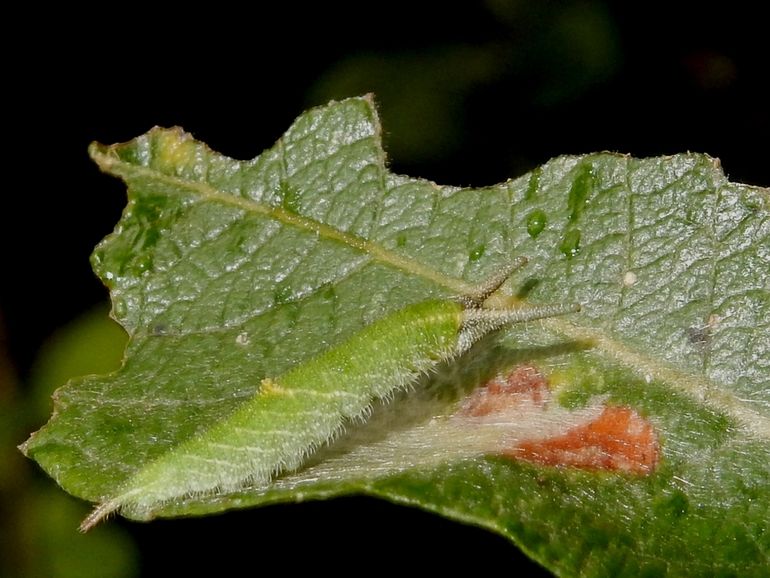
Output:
[[101, 155], [96, 149], [23, 447]]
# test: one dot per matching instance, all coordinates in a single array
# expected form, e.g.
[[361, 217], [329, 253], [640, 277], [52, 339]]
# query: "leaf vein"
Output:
[[203, 190]]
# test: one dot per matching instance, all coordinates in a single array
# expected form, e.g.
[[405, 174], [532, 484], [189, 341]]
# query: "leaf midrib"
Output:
[[697, 387], [114, 165]]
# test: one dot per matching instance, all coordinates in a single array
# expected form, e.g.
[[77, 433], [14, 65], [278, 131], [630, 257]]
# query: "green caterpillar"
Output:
[[292, 415]]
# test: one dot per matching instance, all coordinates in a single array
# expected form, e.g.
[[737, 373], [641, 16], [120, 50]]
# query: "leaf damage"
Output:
[[618, 439]]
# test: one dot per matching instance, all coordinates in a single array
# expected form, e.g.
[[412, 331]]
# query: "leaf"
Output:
[[633, 439]]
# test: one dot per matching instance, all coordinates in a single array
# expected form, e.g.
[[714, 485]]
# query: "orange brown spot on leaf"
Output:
[[619, 440], [597, 437]]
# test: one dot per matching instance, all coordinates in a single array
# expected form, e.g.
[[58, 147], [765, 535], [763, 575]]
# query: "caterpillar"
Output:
[[293, 414]]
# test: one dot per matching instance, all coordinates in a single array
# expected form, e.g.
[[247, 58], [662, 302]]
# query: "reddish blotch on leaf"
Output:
[[619, 439]]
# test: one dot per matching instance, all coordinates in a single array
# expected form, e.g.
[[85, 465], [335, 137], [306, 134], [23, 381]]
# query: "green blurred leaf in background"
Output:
[[39, 537]]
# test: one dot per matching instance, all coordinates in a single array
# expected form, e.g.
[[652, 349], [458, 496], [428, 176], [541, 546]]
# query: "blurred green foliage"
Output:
[[544, 54], [39, 535]]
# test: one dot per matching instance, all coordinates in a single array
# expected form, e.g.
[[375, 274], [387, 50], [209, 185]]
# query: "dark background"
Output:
[[469, 94]]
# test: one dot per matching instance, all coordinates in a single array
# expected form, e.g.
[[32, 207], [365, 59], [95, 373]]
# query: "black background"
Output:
[[681, 77]]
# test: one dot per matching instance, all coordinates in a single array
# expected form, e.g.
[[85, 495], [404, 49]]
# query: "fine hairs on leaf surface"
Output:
[[633, 438]]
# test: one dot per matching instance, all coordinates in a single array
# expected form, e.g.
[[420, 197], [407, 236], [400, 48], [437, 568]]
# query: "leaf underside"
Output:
[[225, 272]]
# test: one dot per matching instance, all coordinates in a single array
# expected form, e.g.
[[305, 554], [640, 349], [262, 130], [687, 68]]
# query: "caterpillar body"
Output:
[[293, 414]]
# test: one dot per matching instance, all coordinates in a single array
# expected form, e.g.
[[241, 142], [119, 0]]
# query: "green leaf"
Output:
[[632, 439]]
